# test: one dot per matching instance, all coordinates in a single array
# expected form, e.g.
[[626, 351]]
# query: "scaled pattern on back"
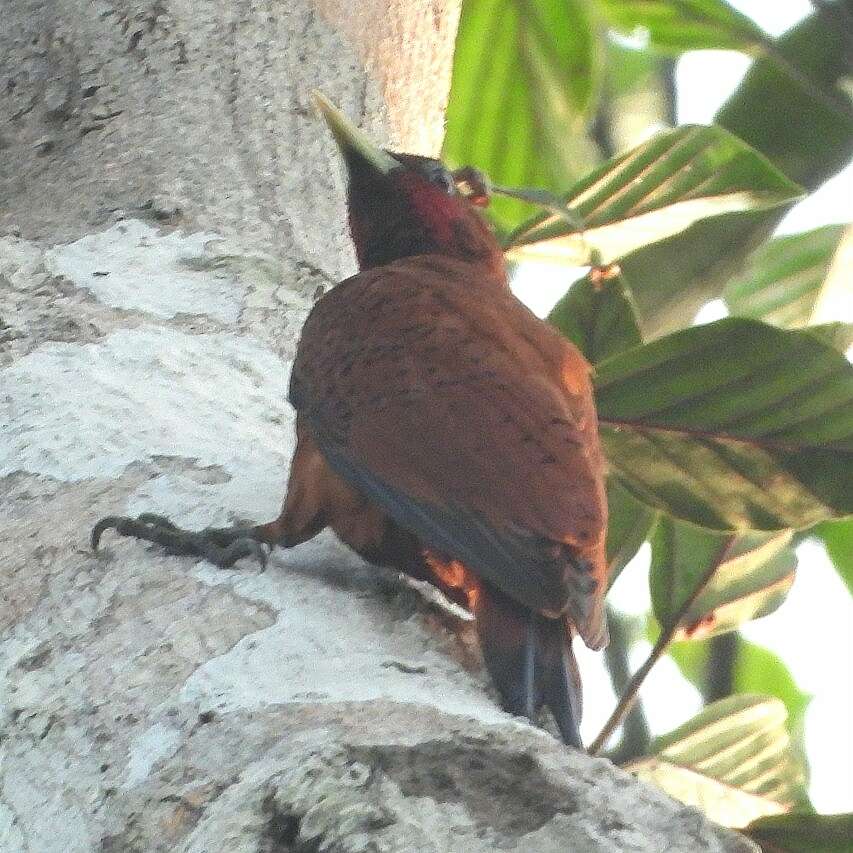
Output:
[[445, 401]]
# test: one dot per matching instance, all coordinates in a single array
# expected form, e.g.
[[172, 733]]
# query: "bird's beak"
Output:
[[358, 151]]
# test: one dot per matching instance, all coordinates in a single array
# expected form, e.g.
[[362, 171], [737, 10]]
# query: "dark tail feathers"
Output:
[[530, 660]]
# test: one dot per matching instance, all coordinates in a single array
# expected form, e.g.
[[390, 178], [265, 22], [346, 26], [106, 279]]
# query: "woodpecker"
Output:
[[443, 430]]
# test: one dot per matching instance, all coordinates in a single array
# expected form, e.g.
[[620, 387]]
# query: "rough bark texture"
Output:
[[170, 209], [199, 110]]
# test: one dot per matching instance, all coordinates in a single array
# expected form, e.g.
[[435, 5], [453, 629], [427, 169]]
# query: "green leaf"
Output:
[[733, 425], [628, 69], [691, 656], [803, 833], [658, 189], [752, 580], [783, 279], [733, 761], [837, 536], [741, 591], [793, 106], [788, 121], [758, 670], [674, 26], [629, 525], [597, 317], [673, 278], [525, 79]]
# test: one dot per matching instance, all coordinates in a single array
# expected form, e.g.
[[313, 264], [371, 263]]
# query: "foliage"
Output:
[[792, 104], [838, 538], [757, 670], [732, 760], [518, 109], [598, 318], [705, 583], [733, 425], [658, 189], [782, 281], [688, 25], [803, 833], [726, 442]]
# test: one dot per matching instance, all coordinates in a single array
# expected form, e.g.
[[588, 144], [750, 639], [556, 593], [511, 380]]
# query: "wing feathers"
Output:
[[469, 421], [544, 576]]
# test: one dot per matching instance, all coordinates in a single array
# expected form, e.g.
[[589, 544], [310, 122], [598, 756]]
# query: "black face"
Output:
[[433, 170], [417, 209]]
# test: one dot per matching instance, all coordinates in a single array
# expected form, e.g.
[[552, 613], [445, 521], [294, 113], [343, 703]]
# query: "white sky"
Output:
[[813, 630]]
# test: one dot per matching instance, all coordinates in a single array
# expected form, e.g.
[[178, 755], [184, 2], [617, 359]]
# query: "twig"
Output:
[[629, 697], [719, 669], [635, 738]]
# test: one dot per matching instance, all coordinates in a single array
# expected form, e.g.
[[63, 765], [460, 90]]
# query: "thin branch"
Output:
[[719, 670], [635, 738], [629, 697]]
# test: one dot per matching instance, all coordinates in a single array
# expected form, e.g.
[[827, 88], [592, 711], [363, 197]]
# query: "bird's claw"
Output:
[[222, 546]]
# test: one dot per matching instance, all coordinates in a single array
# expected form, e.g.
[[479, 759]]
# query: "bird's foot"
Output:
[[222, 546]]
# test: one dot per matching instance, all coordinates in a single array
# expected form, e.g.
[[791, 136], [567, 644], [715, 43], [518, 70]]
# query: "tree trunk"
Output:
[[171, 208]]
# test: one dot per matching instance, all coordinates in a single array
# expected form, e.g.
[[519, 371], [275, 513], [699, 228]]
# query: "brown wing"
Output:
[[468, 420]]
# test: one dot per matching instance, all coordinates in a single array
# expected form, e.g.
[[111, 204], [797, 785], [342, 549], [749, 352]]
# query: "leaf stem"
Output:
[[635, 737], [629, 697], [545, 199]]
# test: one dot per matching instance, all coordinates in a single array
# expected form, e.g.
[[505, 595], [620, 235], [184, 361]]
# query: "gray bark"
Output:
[[169, 210]]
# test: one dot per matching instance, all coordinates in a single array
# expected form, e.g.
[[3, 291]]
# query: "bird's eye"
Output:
[[444, 180]]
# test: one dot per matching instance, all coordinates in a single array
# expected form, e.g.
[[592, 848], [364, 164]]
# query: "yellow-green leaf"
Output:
[[733, 761], [727, 583], [525, 78], [629, 525], [837, 536], [783, 279], [658, 189], [756, 670], [674, 26]]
